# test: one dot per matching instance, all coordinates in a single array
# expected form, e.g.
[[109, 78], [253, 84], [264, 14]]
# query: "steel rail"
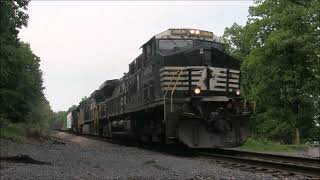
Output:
[[284, 158], [300, 165]]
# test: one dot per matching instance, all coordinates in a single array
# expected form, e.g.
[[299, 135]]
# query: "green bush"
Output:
[[265, 145]]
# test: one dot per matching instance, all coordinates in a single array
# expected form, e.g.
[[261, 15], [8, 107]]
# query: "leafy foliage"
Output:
[[279, 50], [21, 86], [59, 120]]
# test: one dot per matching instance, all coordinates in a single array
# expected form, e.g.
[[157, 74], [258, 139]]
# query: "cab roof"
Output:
[[186, 33]]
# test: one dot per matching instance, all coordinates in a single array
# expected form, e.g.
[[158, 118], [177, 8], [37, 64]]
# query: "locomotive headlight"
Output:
[[238, 92], [197, 90], [197, 32], [192, 31]]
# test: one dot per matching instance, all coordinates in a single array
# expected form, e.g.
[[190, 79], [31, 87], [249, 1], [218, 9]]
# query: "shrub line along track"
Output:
[[278, 165], [309, 167]]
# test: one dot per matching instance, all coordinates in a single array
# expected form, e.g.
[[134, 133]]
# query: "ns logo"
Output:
[[209, 78]]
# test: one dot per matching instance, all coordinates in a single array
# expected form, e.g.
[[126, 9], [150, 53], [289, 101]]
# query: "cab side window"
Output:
[[149, 50], [132, 68]]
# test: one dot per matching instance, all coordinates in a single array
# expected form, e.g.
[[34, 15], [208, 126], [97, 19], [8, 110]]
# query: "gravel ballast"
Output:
[[84, 158]]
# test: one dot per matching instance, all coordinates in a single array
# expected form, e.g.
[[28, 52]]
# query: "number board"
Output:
[[179, 32]]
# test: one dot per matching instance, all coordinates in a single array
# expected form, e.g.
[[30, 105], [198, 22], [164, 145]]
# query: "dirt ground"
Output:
[[76, 157]]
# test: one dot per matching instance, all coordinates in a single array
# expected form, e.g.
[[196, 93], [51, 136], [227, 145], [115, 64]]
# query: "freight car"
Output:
[[182, 88]]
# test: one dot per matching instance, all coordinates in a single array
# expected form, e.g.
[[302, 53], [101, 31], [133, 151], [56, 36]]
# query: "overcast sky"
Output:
[[82, 44]]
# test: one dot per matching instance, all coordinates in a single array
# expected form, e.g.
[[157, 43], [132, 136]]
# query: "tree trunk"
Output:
[[297, 136]]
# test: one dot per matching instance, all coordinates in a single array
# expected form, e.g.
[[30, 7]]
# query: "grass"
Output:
[[15, 132], [19, 132], [263, 145]]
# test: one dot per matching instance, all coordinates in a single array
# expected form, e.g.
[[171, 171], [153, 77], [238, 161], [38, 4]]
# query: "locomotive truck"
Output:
[[182, 88]]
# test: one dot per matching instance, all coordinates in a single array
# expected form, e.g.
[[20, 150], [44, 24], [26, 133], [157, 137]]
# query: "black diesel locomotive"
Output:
[[183, 88]]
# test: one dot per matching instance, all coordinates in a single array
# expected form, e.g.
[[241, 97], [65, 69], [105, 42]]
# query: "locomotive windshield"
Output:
[[178, 44], [208, 44], [174, 44]]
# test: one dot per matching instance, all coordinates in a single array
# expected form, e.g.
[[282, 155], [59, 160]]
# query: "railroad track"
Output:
[[278, 165]]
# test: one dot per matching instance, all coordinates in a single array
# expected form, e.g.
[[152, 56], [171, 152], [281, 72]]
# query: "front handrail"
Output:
[[167, 90], [174, 88], [165, 95]]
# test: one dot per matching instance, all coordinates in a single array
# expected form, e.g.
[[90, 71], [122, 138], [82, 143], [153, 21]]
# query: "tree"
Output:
[[21, 85], [279, 49], [22, 89], [58, 120], [12, 19]]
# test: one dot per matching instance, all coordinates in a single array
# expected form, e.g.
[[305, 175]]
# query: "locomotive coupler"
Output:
[[193, 107]]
